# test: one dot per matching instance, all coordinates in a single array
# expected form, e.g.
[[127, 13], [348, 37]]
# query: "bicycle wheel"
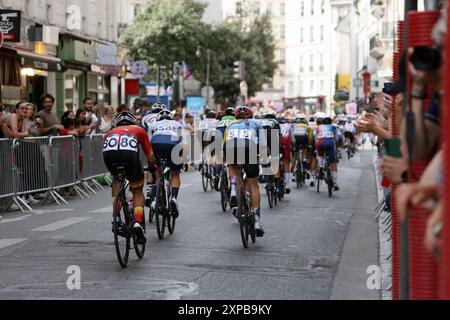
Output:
[[269, 193], [160, 214], [242, 217], [204, 177], [318, 178], [251, 224], [298, 178], [329, 183], [211, 177], [224, 191], [121, 220], [139, 248], [170, 220], [151, 215]]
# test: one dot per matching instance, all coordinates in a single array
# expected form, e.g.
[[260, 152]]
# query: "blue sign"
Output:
[[195, 105]]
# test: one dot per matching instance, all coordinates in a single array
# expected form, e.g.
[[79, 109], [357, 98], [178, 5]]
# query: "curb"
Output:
[[384, 237]]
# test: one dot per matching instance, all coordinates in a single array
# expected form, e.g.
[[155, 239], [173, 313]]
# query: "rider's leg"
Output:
[[138, 203], [114, 189], [175, 182], [233, 171], [287, 173]]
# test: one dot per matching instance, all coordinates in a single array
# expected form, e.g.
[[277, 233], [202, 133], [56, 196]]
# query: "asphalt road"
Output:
[[297, 258]]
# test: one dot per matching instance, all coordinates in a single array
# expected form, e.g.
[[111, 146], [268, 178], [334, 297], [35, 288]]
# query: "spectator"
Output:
[[137, 106], [13, 125], [107, 120], [123, 107], [81, 122], [30, 122], [91, 117], [50, 124]]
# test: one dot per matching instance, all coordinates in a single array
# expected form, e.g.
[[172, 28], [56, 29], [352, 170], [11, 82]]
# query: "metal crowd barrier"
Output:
[[49, 164]]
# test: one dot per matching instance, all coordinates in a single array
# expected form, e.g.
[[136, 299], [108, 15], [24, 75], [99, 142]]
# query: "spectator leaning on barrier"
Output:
[[50, 123], [107, 120], [91, 117], [30, 122], [13, 124]]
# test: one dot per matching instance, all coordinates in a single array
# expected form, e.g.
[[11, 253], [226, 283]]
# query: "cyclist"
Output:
[[340, 132], [121, 149], [207, 127], [319, 120], [165, 136], [222, 125], [242, 137], [349, 133], [287, 139], [325, 143], [149, 118], [272, 127], [303, 138]]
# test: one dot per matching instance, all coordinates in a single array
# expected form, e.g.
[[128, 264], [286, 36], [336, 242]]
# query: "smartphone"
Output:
[[387, 88], [392, 147]]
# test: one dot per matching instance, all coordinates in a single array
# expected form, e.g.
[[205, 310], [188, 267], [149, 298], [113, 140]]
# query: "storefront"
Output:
[[71, 86]]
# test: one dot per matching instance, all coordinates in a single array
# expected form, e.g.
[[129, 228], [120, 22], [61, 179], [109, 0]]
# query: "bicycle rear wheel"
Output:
[[122, 235], [160, 214], [330, 183], [211, 177], [170, 221], [318, 180], [242, 217], [204, 177], [224, 191]]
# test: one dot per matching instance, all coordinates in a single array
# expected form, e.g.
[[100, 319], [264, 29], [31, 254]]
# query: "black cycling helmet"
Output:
[[281, 120], [327, 120], [158, 106], [229, 111], [165, 115], [270, 115], [211, 115], [124, 118]]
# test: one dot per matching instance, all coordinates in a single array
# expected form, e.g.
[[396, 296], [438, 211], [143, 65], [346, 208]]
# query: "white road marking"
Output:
[[9, 242], [103, 210], [15, 219], [40, 211], [61, 224]]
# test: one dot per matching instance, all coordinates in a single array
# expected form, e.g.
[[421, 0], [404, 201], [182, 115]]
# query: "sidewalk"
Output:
[[360, 249]]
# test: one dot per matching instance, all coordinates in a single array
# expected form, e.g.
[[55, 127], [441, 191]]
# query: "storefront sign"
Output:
[[41, 64], [10, 25], [108, 55]]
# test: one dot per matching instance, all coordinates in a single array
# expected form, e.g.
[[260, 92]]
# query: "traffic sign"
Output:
[[205, 90], [195, 105]]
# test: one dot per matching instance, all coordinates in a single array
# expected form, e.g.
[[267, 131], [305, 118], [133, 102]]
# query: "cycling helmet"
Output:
[[243, 112], [300, 118], [257, 115], [281, 120], [211, 115], [229, 111], [327, 120], [165, 115], [124, 118], [270, 115], [219, 115], [158, 106]]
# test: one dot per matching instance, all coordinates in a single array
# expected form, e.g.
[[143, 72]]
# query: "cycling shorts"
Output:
[[301, 142], [242, 152], [286, 148], [350, 136], [327, 146], [130, 161], [163, 151]]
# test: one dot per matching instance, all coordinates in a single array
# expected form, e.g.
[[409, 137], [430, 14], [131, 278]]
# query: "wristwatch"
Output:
[[421, 95]]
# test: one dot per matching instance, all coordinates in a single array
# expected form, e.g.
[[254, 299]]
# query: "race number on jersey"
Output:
[[120, 142]]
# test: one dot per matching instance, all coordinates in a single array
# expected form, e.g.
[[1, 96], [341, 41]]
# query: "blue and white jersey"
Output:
[[245, 129], [165, 131], [148, 120], [325, 132]]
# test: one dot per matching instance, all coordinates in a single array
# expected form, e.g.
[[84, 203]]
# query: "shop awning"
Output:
[[33, 60]]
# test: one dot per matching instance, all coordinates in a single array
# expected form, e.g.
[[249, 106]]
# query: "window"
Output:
[[321, 62], [282, 9], [291, 88], [312, 33], [322, 33], [311, 63], [137, 10], [282, 31], [282, 55], [270, 84], [302, 8], [300, 89], [301, 35], [269, 9], [301, 63], [322, 6], [238, 8], [312, 7], [322, 83], [311, 85]]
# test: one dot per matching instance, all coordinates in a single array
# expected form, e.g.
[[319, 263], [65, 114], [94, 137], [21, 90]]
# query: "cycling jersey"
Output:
[[349, 127], [303, 135], [223, 124], [121, 149], [166, 134], [287, 137], [325, 141], [148, 119]]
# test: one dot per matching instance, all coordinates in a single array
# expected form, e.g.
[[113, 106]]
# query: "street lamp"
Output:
[[208, 57]]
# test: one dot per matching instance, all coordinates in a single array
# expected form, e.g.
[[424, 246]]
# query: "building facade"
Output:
[[67, 48]]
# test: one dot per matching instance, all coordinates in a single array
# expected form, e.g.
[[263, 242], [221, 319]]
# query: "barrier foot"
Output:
[[54, 198], [80, 191], [109, 181], [18, 201], [54, 193], [88, 187], [97, 185]]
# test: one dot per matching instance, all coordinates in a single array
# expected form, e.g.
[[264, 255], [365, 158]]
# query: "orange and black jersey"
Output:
[[127, 138]]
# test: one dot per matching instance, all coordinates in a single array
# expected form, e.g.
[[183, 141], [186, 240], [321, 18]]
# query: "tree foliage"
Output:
[[171, 30]]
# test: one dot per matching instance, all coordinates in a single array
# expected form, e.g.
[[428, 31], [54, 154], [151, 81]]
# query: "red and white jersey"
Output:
[[286, 131], [127, 138]]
